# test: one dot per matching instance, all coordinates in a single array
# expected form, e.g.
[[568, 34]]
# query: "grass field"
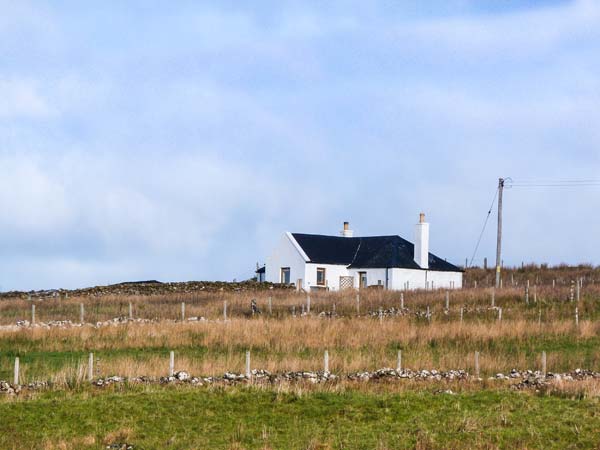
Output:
[[344, 414], [185, 418]]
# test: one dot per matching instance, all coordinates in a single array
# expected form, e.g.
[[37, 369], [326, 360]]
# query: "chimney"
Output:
[[422, 242], [347, 232]]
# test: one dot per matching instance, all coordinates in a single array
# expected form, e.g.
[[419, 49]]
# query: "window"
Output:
[[320, 276], [285, 275]]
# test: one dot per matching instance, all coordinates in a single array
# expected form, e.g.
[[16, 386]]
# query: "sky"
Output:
[[177, 140]]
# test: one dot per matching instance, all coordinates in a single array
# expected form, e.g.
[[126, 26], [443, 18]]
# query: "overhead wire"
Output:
[[483, 229]]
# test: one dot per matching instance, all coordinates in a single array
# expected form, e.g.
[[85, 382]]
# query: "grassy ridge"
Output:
[[182, 418]]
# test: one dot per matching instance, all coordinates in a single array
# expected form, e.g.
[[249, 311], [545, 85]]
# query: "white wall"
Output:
[[332, 275], [286, 254], [425, 279]]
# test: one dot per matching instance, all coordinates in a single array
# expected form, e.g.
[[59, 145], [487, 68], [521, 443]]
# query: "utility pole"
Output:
[[499, 238]]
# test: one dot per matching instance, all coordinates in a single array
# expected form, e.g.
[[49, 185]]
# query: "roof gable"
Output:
[[366, 252]]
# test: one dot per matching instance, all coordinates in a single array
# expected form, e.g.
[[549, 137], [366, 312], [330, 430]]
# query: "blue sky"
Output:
[[177, 140]]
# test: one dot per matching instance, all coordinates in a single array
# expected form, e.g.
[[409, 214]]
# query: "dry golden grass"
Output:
[[280, 342]]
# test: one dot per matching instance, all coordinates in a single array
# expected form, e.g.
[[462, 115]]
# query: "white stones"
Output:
[[182, 375]]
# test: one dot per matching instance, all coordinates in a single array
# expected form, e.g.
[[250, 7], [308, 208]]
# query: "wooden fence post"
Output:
[[182, 311], [461, 313], [32, 314], [248, 370], [578, 290], [357, 303], [576, 316], [401, 300], [224, 310], [447, 300], [308, 304], [81, 313], [16, 380], [91, 367], [477, 364], [399, 362], [380, 315], [294, 311], [544, 363], [499, 314], [270, 307], [130, 311], [493, 297], [428, 314], [171, 363], [326, 362]]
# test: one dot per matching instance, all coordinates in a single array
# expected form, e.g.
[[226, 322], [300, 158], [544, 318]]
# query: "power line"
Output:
[[483, 229], [589, 182]]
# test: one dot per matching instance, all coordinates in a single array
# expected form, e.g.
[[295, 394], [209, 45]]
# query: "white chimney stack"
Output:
[[347, 232], [422, 242]]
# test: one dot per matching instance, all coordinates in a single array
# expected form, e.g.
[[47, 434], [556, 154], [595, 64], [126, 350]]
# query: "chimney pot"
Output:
[[347, 232], [422, 218]]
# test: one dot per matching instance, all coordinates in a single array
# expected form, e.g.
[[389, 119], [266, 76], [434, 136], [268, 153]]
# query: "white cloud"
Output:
[[21, 98]]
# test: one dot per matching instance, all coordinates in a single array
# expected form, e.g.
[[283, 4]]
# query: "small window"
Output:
[[285, 275], [320, 276]]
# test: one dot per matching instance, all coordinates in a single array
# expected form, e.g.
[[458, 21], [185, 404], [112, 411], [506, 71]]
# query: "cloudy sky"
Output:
[[177, 140]]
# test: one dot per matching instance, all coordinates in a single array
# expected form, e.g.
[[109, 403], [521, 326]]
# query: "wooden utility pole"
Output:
[[499, 238]]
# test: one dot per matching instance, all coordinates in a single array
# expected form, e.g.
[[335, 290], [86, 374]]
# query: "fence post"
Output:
[[578, 289], [16, 380], [326, 362], [447, 300], [576, 316], [182, 311], [535, 293], [493, 297], [544, 364], [130, 311], [461, 314], [90, 366], [248, 370], [399, 362], [357, 303], [224, 310], [294, 311], [32, 314], [171, 363], [270, 307], [380, 315], [308, 304], [401, 300], [81, 313], [428, 314], [477, 364], [499, 314]]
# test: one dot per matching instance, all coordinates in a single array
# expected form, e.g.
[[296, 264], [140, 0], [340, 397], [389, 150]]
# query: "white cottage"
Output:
[[313, 261]]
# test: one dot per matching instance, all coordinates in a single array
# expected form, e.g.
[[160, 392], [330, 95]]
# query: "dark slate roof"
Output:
[[366, 252], [260, 270]]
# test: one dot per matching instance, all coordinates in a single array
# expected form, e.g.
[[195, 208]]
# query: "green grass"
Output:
[[182, 418]]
